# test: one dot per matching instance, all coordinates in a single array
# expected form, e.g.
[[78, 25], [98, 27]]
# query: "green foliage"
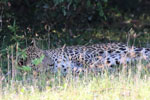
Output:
[[58, 19], [37, 61], [22, 54], [120, 85], [71, 22], [25, 68]]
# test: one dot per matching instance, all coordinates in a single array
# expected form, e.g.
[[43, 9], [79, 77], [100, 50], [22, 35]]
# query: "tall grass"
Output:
[[122, 85], [131, 83]]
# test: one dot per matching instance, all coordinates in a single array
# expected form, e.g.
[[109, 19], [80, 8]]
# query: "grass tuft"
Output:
[[115, 86]]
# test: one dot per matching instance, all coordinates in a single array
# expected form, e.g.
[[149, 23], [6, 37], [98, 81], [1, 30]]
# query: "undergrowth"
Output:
[[129, 82], [126, 84]]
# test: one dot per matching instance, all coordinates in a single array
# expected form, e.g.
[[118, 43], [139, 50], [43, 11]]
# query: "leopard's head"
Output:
[[37, 59]]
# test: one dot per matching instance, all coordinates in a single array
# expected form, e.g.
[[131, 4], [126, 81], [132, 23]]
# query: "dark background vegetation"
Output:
[[72, 22]]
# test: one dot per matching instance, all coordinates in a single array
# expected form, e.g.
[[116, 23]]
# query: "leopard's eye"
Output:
[[50, 64]]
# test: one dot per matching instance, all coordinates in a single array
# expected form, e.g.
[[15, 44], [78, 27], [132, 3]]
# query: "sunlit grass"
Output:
[[131, 84], [115, 86]]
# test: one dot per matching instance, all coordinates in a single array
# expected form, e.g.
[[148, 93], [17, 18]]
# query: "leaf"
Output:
[[105, 1], [25, 68], [64, 12], [37, 61], [88, 3]]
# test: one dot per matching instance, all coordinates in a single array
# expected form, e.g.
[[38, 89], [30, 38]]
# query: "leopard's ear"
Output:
[[33, 43]]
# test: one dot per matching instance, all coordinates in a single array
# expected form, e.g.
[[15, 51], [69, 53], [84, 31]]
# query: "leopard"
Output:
[[86, 57]]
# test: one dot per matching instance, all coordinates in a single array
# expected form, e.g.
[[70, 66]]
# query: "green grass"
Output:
[[133, 84], [115, 86]]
